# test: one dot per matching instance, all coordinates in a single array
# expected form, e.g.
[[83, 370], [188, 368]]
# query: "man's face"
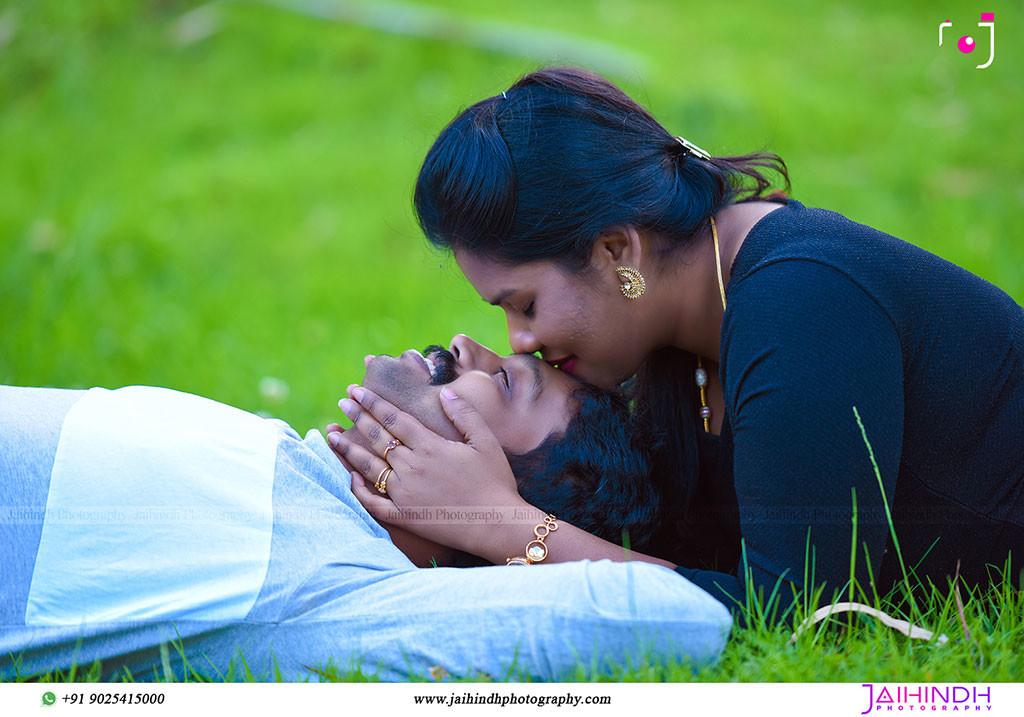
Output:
[[522, 399]]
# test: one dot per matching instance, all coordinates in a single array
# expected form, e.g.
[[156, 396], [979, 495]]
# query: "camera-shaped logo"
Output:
[[966, 44]]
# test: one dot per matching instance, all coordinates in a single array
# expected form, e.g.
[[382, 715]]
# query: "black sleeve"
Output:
[[802, 346], [723, 587]]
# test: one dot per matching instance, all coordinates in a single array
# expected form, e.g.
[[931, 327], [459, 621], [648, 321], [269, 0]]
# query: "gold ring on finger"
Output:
[[392, 444], [382, 481]]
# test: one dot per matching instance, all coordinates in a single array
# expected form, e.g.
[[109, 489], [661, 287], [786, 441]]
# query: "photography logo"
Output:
[[966, 44], [928, 698]]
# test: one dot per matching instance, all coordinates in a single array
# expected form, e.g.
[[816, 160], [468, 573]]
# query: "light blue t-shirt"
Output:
[[143, 527]]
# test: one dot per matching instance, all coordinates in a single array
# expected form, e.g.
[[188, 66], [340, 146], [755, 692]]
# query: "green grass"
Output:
[[207, 213]]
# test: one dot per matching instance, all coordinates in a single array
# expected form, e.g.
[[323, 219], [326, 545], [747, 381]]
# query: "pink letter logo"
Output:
[[966, 43]]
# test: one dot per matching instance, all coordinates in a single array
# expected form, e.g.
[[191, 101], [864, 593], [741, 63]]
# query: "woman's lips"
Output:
[[566, 363]]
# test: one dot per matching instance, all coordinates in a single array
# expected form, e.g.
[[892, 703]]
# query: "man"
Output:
[[591, 474], [145, 527]]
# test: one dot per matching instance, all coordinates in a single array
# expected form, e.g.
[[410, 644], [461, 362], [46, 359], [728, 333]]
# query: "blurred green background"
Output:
[[217, 197]]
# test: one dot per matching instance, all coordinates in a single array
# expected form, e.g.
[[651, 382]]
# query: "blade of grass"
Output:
[[888, 512], [853, 555]]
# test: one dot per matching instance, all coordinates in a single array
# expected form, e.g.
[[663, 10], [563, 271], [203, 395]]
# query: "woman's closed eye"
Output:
[[528, 311]]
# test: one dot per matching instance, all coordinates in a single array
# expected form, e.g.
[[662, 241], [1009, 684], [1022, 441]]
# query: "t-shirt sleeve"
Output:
[[803, 345]]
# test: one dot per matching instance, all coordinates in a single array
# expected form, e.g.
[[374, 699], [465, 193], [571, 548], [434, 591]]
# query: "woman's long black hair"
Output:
[[542, 170]]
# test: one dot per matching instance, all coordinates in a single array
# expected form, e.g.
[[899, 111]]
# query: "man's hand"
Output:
[[462, 495]]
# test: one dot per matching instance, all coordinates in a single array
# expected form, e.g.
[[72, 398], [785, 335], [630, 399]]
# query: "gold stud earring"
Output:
[[634, 285]]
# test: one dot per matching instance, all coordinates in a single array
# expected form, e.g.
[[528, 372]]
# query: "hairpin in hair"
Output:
[[503, 95], [693, 149]]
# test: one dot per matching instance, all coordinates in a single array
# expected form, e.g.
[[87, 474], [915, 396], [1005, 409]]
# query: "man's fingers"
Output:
[[470, 424]]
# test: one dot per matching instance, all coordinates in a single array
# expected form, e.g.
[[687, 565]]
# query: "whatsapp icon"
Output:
[[49, 698]]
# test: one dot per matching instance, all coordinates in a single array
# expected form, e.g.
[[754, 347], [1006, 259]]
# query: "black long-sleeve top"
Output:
[[825, 315]]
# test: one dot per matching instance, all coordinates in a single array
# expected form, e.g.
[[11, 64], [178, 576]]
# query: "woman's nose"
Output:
[[471, 356], [521, 339]]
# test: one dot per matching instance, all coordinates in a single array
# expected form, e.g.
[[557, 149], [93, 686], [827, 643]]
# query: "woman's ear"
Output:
[[618, 247]]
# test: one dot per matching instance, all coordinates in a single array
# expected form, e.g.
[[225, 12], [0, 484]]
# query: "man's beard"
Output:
[[398, 381]]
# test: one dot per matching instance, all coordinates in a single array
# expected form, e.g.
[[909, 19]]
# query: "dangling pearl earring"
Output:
[[635, 285]]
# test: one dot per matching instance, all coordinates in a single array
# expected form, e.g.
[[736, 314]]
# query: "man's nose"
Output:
[[471, 356]]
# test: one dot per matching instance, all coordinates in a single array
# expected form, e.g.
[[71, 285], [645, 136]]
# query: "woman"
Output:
[[770, 343]]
